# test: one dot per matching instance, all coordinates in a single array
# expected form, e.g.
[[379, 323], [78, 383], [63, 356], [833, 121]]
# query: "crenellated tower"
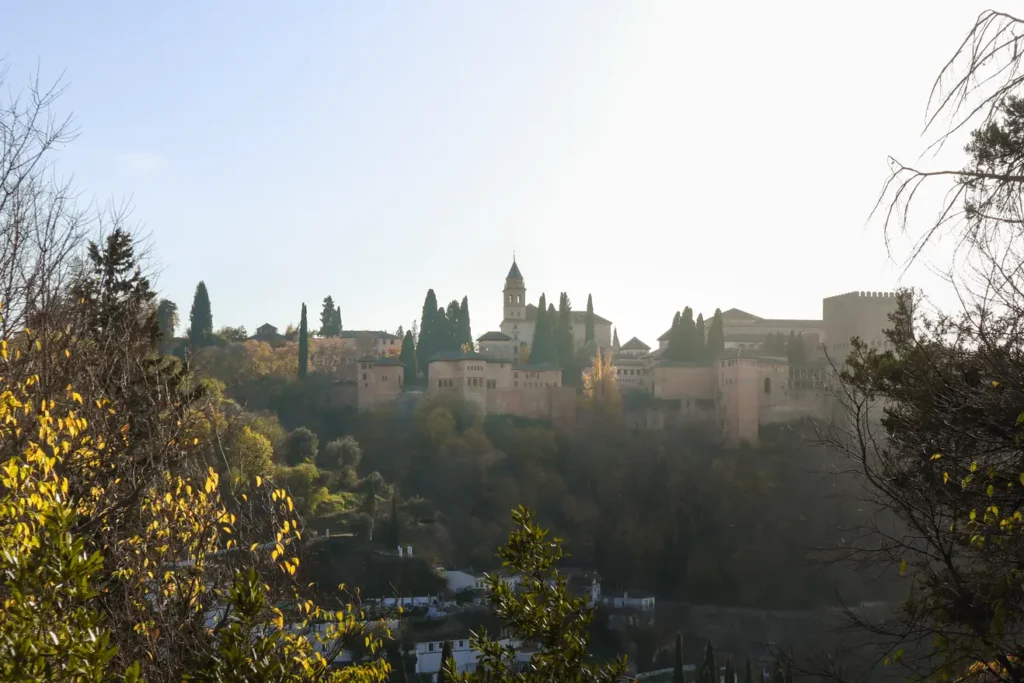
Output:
[[514, 294]]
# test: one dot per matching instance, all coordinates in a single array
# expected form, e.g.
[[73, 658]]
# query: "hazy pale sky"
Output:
[[653, 154]]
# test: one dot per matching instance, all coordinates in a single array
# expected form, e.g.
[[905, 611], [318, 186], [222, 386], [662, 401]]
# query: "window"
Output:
[[439, 383], [430, 646], [462, 643], [516, 375], [364, 375], [384, 378], [767, 385]]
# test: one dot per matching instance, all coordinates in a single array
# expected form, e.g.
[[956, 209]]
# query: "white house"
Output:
[[644, 603], [459, 580], [428, 654]]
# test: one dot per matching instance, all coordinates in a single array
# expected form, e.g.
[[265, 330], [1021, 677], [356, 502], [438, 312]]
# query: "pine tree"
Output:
[[615, 341], [330, 319], [730, 673], [445, 673], [589, 333], [303, 344], [465, 330], [408, 357], [716, 336], [201, 318], [677, 663], [400, 332], [700, 339], [167, 316], [427, 347]]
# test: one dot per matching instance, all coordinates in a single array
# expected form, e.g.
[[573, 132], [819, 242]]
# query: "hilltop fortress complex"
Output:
[[745, 387]]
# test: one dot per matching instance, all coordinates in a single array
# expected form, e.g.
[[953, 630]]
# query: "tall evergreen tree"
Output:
[[167, 316], [730, 673], [688, 335], [675, 339], [543, 342], [465, 329], [700, 339], [408, 358], [748, 674], [453, 338], [716, 336], [201, 318], [330, 319], [428, 338], [394, 531], [446, 671], [589, 332], [709, 665], [677, 662], [303, 344], [615, 340]]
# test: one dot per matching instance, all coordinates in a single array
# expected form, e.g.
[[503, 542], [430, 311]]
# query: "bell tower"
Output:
[[514, 300]]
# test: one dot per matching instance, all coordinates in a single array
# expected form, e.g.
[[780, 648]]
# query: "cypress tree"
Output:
[[675, 341], [700, 339], [454, 317], [730, 674], [465, 329], [615, 340], [330, 319], [447, 668], [408, 357], [303, 344], [748, 675], [201, 318], [589, 333], [394, 526], [565, 344], [541, 346], [716, 336], [427, 343], [710, 665], [677, 663], [688, 335]]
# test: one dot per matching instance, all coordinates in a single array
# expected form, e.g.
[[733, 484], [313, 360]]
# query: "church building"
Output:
[[520, 319]]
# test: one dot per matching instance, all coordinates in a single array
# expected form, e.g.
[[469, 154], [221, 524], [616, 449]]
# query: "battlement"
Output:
[[863, 295]]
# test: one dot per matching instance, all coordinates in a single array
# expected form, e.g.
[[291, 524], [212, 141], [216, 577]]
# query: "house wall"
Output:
[[521, 331], [632, 375], [378, 384], [681, 382], [499, 349], [738, 383]]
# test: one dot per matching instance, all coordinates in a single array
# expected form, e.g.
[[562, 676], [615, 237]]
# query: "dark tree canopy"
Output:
[[330, 318], [201, 319], [303, 343], [589, 323]]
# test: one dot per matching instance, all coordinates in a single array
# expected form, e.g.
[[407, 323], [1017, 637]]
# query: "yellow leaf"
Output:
[[903, 567], [945, 477], [259, 481], [936, 456]]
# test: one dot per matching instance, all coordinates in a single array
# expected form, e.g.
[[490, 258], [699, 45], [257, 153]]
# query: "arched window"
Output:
[[519, 299], [767, 385]]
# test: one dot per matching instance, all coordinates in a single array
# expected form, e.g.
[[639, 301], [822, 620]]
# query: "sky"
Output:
[[652, 154]]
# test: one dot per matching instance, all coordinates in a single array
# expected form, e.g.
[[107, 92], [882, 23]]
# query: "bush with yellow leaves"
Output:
[[71, 611]]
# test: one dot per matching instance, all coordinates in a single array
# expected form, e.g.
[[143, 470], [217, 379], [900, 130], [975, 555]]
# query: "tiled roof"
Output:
[[388, 361], [376, 334], [634, 344], [577, 317], [536, 367], [494, 336], [457, 355]]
